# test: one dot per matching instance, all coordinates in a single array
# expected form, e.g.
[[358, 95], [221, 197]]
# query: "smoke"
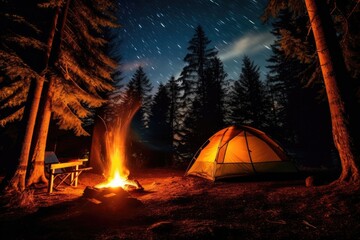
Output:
[[251, 43]]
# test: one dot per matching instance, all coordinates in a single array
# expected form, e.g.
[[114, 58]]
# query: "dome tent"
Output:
[[238, 151]]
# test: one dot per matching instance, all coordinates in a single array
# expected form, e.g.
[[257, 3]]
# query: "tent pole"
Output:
[[195, 156], [217, 153], [249, 152]]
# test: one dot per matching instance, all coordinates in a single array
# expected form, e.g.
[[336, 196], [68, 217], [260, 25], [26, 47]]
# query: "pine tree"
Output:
[[207, 114], [214, 100], [138, 90], [160, 131], [193, 83], [284, 84], [248, 98], [197, 60], [84, 69], [174, 116]]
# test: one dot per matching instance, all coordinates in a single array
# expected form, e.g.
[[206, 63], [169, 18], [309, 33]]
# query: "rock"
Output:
[[309, 181]]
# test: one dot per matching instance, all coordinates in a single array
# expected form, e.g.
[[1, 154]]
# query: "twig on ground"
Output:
[[308, 224], [282, 222]]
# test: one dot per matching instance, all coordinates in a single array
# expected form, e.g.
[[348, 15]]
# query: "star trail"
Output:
[[155, 34]]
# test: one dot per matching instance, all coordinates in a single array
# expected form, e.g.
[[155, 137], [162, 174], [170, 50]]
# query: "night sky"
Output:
[[155, 34]]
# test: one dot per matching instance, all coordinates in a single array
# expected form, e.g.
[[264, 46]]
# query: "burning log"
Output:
[[133, 185]]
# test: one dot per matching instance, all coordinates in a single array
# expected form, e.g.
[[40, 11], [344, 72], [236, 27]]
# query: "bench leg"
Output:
[[51, 183], [71, 178], [76, 176]]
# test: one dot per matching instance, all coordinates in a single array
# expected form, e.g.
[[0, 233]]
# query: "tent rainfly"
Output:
[[239, 151]]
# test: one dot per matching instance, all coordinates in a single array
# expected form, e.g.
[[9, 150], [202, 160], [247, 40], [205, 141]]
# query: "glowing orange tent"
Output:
[[237, 151]]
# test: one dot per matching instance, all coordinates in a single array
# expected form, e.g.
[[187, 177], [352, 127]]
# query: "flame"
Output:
[[117, 172], [116, 181]]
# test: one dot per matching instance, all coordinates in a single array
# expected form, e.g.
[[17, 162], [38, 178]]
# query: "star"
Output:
[[156, 34]]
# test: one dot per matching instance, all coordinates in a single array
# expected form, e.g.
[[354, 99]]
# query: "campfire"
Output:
[[114, 192], [117, 173]]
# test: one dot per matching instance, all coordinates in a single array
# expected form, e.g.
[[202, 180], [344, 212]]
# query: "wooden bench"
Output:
[[64, 170]]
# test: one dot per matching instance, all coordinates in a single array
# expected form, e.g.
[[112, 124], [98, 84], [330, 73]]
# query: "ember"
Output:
[[128, 185]]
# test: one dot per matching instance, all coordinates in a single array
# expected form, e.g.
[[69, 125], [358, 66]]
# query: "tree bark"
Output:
[[37, 174], [17, 181], [334, 81]]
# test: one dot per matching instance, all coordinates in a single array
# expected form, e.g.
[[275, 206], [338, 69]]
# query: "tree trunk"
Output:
[[37, 174], [334, 80], [17, 181]]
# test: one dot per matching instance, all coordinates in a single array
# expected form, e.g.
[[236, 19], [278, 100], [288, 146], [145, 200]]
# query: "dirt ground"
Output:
[[176, 207]]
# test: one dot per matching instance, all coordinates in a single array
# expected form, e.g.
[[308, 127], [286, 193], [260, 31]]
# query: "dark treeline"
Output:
[[64, 46], [186, 111]]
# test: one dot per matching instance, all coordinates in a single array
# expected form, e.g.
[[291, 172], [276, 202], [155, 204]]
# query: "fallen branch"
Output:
[[282, 222], [308, 224]]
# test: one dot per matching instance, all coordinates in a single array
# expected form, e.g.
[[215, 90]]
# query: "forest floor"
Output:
[[176, 207]]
